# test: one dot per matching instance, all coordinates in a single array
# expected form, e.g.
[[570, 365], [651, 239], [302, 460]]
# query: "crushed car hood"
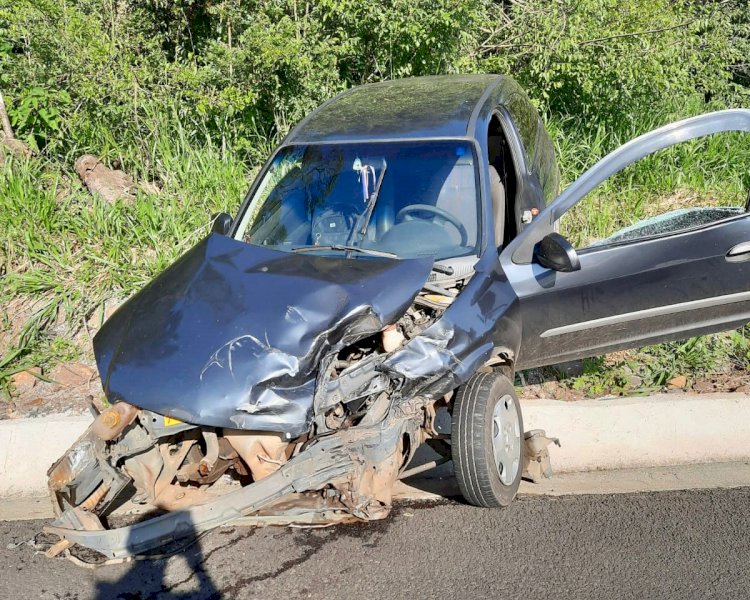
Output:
[[231, 335]]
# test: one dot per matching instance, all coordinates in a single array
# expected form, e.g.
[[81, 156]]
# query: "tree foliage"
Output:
[[188, 94], [607, 60], [89, 74]]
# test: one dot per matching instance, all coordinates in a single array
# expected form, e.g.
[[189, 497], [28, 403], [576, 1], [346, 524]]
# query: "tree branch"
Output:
[[7, 129], [637, 33]]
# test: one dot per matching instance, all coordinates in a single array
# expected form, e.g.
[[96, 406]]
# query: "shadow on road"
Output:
[[148, 578], [439, 481]]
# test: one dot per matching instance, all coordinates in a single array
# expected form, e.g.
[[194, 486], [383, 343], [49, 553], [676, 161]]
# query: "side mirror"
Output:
[[555, 252], [221, 223]]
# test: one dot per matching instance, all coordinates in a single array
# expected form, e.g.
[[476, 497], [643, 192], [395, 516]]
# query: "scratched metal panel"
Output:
[[231, 335]]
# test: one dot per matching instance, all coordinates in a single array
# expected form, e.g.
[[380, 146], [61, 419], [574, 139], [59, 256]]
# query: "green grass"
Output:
[[63, 254], [651, 368], [709, 171]]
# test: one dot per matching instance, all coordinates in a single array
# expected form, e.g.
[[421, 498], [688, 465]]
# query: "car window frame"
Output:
[[513, 137], [521, 250], [657, 236], [520, 109], [481, 199]]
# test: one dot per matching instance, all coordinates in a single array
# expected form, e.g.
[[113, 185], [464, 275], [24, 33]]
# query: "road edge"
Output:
[[595, 435]]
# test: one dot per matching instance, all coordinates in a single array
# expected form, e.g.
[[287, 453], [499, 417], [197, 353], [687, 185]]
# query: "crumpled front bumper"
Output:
[[364, 461]]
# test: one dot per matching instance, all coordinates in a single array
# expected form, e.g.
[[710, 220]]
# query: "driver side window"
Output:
[[690, 185]]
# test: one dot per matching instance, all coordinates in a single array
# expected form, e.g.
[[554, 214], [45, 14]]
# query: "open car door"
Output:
[[663, 279]]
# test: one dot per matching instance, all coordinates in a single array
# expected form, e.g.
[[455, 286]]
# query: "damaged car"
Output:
[[398, 255]]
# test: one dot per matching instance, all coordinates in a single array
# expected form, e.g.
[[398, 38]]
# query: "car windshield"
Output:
[[410, 199]]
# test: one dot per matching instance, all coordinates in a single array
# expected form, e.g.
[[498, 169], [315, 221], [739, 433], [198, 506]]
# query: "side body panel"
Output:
[[626, 294], [635, 294]]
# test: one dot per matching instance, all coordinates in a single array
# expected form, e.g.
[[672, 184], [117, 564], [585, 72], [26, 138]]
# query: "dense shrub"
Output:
[[240, 72], [191, 94], [244, 71], [608, 60]]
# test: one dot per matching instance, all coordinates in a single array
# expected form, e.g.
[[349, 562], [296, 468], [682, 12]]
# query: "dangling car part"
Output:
[[396, 255]]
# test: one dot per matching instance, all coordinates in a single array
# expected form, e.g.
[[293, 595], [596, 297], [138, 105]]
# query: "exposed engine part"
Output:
[[392, 338], [262, 452], [358, 380], [153, 473], [440, 290], [356, 468], [94, 499], [155, 469], [349, 381], [436, 302], [191, 470], [212, 452], [537, 455], [111, 422], [416, 320], [335, 417], [439, 296]]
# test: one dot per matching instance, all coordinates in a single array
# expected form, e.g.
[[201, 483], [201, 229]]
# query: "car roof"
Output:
[[415, 107]]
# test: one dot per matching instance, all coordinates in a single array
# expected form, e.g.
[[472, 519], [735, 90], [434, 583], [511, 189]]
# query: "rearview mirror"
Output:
[[221, 223], [555, 252]]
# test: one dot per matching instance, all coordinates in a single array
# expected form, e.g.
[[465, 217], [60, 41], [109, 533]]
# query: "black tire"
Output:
[[472, 431]]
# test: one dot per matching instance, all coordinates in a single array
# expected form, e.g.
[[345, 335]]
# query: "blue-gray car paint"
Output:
[[232, 334], [636, 292], [168, 349]]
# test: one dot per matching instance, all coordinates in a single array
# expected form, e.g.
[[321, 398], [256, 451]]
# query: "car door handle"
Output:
[[739, 252]]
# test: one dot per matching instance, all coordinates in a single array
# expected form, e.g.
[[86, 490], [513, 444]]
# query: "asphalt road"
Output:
[[693, 544]]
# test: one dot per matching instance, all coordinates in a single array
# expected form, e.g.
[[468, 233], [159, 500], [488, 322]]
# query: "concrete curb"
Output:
[[623, 433], [660, 430], [28, 447]]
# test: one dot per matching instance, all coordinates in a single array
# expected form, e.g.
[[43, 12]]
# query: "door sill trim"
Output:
[[657, 311]]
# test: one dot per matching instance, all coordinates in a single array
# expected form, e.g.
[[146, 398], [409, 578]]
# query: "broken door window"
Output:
[[650, 197]]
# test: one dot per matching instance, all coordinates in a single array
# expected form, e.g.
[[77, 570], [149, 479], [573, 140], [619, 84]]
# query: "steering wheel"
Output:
[[439, 216]]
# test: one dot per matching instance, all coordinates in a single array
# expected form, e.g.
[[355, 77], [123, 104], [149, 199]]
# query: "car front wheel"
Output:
[[487, 440]]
